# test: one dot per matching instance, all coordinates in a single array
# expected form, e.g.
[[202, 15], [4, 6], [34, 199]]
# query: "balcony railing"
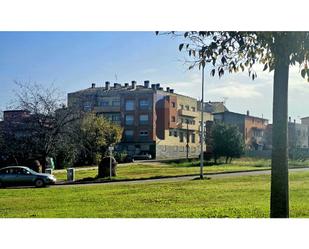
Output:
[[106, 108], [187, 113], [184, 126]]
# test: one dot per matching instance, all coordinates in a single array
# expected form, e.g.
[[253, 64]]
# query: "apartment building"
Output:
[[155, 120], [252, 128], [305, 122], [297, 134]]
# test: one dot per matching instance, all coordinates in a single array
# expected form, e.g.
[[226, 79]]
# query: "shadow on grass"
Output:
[[204, 178]]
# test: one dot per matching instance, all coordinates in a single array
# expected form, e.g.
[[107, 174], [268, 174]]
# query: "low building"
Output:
[[252, 128], [305, 121], [297, 135], [155, 120]]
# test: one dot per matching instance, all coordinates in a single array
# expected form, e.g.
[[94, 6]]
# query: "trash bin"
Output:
[[71, 174], [48, 171]]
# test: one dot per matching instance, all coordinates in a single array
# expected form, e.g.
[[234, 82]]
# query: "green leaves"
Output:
[[303, 72], [235, 51], [212, 72], [221, 72], [265, 67], [181, 46]]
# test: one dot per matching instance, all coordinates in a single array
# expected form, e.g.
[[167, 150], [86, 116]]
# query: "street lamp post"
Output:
[[187, 145], [202, 128]]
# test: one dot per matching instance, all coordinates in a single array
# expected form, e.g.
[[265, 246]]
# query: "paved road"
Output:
[[182, 178]]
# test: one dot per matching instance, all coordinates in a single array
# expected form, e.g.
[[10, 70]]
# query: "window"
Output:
[[143, 133], [171, 133], [116, 103], [103, 103], [181, 137], [187, 107], [129, 120], [128, 133], [193, 138], [181, 107], [129, 106], [173, 119], [143, 119], [116, 117], [193, 109], [173, 104], [144, 104], [87, 106], [175, 133]]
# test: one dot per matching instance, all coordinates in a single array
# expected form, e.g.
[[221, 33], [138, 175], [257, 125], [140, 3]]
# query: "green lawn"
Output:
[[140, 171], [246, 196], [152, 170]]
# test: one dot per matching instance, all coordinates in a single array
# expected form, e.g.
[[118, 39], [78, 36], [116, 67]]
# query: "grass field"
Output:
[[143, 171], [153, 170], [246, 196]]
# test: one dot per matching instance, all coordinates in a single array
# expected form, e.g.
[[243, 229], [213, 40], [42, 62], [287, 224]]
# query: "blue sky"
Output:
[[74, 60]]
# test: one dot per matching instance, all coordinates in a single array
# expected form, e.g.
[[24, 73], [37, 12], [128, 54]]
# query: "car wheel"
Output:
[[39, 183]]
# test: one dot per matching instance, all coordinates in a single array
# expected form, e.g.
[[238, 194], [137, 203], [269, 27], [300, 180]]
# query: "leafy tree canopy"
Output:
[[227, 141], [98, 133], [235, 51]]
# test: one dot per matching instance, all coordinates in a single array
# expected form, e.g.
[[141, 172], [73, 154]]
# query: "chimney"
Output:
[[126, 84], [171, 90], [107, 85], [158, 86], [153, 86], [117, 85], [146, 83], [294, 121], [248, 113], [133, 83], [168, 89], [290, 119], [93, 85]]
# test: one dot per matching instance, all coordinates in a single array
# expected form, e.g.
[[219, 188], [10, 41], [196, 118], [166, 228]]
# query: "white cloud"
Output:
[[235, 90]]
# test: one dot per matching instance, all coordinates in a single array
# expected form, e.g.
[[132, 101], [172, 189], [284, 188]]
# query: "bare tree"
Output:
[[42, 130]]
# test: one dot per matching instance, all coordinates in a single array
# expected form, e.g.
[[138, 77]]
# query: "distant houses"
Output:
[[161, 122]]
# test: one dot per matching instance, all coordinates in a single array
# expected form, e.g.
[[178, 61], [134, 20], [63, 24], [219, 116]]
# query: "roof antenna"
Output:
[[116, 77]]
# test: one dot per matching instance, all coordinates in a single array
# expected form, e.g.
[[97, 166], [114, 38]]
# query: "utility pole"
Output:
[[187, 145], [202, 128]]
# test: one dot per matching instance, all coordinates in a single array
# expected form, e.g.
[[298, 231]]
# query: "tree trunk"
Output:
[[279, 206]]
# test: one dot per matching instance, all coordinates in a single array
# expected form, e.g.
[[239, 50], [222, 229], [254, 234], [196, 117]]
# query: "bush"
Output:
[[121, 156]]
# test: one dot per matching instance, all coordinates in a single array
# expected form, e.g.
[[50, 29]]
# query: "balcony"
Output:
[[106, 108], [190, 127], [187, 113]]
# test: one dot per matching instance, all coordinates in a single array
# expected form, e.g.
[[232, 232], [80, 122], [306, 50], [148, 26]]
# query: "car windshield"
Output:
[[31, 171]]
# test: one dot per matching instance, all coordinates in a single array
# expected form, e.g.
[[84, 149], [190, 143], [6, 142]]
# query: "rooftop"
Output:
[[240, 114], [117, 87]]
